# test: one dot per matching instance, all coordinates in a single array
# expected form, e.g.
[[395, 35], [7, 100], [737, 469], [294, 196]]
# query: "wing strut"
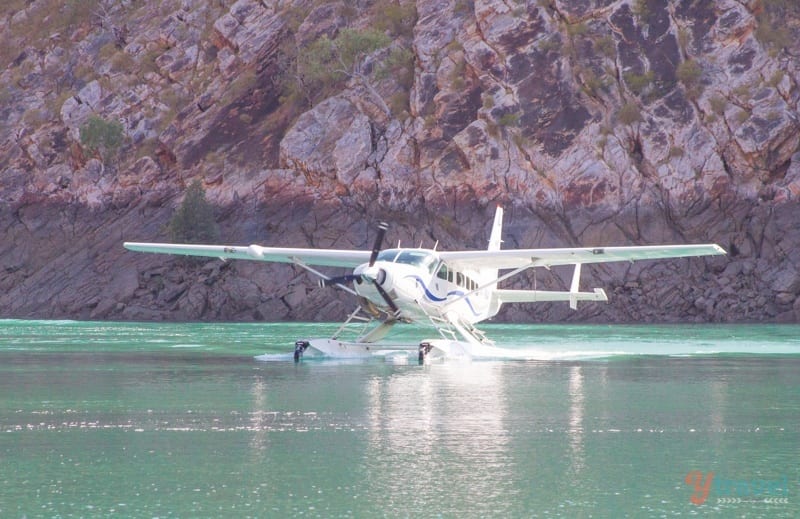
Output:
[[573, 289]]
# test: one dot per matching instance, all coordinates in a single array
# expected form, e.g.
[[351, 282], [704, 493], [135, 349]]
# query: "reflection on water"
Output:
[[576, 409], [423, 422], [259, 419]]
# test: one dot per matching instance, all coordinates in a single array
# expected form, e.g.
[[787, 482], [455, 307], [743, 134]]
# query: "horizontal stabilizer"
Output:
[[538, 296]]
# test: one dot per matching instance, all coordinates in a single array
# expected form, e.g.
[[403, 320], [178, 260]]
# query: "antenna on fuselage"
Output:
[[435, 245]]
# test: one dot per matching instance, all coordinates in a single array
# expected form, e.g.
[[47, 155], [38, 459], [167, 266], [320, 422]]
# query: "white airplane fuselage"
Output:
[[421, 285]]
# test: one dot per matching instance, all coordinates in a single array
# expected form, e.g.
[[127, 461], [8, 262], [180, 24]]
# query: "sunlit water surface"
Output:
[[182, 420]]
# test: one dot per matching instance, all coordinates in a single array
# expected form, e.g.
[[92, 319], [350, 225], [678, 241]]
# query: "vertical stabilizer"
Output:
[[497, 230], [487, 274]]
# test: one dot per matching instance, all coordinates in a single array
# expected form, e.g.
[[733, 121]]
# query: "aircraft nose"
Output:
[[375, 274]]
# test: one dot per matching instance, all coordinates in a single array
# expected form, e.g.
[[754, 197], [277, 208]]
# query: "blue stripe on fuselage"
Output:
[[436, 299]]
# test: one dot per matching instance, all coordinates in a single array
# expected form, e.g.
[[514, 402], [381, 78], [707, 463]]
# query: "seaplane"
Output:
[[451, 291]]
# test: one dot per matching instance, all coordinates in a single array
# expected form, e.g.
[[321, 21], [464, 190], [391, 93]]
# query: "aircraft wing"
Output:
[[512, 259], [323, 257]]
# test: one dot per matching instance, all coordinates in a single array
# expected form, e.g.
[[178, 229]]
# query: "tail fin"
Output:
[[487, 274], [495, 239]]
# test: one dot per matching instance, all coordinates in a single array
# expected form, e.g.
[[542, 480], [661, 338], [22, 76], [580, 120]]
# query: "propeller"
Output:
[[376, 247], [374, 276], [339, 280], [376, 282], [385, 296]]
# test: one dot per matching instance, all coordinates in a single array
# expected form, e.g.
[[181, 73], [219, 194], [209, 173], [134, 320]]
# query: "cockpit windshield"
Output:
[[420, 258]]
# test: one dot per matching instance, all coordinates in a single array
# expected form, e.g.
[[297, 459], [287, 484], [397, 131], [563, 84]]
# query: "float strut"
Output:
[[424, 349], [299, 348]]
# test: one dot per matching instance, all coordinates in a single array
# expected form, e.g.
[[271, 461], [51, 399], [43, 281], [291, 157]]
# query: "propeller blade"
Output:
[[386, 297], [339, 280], [376, 248]]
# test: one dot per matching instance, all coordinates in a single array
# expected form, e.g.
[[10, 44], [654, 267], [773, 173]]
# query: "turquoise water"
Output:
[[181, 420]]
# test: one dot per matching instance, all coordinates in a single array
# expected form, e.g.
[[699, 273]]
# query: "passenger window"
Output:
[[442, 274]]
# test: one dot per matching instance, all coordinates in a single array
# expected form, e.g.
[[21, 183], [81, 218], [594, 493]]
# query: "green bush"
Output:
[[629, 114], [577, 29], [399, 105], [592, 84], [689, 73], [776, 79], [606, 45], [509, 119], [397, 19], [641, 9], [639, 82], [772, 29], [718, 104], [101, 136], [326, 63], [399, 65], [676, 151], [193, 222]]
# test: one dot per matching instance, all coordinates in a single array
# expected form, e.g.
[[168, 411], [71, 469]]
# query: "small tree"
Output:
[[629, 114], [101, 136], [690, 74], [327, 63], [194, 222]]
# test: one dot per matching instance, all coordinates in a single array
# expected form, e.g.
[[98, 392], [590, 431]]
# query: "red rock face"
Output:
[[593, 121]]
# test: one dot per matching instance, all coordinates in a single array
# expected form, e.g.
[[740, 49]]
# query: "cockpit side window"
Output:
[[430, 263], [442, 274]]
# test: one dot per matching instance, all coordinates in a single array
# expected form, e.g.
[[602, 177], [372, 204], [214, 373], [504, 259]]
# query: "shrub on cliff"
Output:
[[101, 136], [397, 19], [772, 29], [629, 114], [194, 222], [690, 74], [327, 63]]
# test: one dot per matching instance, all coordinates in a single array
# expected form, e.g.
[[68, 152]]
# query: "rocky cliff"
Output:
[[592, 121]]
